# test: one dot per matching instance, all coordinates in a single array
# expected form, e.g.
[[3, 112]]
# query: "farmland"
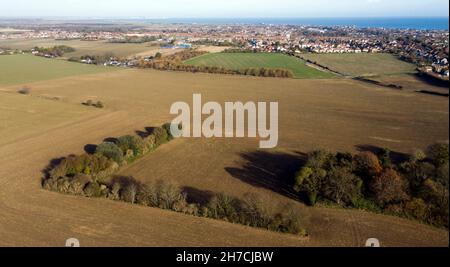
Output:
[[239, 61], [337, 114], [20, 69], [362, 64], [89, 47]]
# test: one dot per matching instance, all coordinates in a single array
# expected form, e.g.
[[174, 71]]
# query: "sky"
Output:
[[224, 8]]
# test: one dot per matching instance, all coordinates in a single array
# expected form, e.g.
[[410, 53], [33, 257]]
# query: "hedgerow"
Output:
[[93, 176]]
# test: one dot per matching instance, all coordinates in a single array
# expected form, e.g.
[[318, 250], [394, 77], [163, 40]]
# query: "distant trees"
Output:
[[90, 103], [175, 63], [25, 90], [417, 188], [55, 51]]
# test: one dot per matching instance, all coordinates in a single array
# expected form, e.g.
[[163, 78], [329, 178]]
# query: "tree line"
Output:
[[93, 175], [175, 63]]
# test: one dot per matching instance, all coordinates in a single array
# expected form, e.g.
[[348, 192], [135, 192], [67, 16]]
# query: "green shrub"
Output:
[[110, 151], [167, 127], [309, 181], [417, 209], [93, 190], [439, 154], [367, 205], [149, 143], [133, 143], [161, 136], [83, 164], [385, 158], [342, 186]]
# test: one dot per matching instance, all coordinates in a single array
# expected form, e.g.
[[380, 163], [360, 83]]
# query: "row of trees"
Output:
[[108, 157], [416, 188], [92, 175], [55, 51], [175, 63], [134, 40], [258, 72], [252, 210]]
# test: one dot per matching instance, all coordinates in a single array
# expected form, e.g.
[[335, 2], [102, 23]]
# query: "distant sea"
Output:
[[422, 23]]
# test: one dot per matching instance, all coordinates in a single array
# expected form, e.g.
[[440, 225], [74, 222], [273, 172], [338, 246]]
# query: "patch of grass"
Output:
[[362, 64], [240, 61], [19, 69]]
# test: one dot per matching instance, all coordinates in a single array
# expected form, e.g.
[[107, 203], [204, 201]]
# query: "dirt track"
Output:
[[333, 114]]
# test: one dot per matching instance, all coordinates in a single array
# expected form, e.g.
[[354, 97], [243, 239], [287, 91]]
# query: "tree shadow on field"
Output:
[[90, 149], [148, 131], [273, 171], [396, 157], [195, 195]]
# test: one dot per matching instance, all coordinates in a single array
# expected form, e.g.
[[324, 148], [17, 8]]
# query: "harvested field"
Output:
[[336, 114]]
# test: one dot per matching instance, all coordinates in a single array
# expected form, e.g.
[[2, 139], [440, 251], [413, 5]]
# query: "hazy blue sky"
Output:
[[224, 8]]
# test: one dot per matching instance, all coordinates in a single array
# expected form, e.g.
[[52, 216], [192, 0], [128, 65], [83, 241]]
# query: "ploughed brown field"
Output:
[[336, 114]]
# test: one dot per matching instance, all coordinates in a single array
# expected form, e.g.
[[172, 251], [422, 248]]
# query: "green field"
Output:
[[19, 69], [238, 61], [362, 64], [83, 47]]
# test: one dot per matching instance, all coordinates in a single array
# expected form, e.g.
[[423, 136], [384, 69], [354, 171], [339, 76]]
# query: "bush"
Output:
[[99, 104], [161, 136], [385, 158], [256, 212], [367, 165], [389, 187], [148, 196], [342, 187], [367, 205], [149, 143], [417, 172], [223, 206], [309, 181], [170, 196], [130, 191], [167, 127], [110, 151], [133, 143], [83, 164], [438, 154], [93, 190], [417, 209], [24, 90]]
